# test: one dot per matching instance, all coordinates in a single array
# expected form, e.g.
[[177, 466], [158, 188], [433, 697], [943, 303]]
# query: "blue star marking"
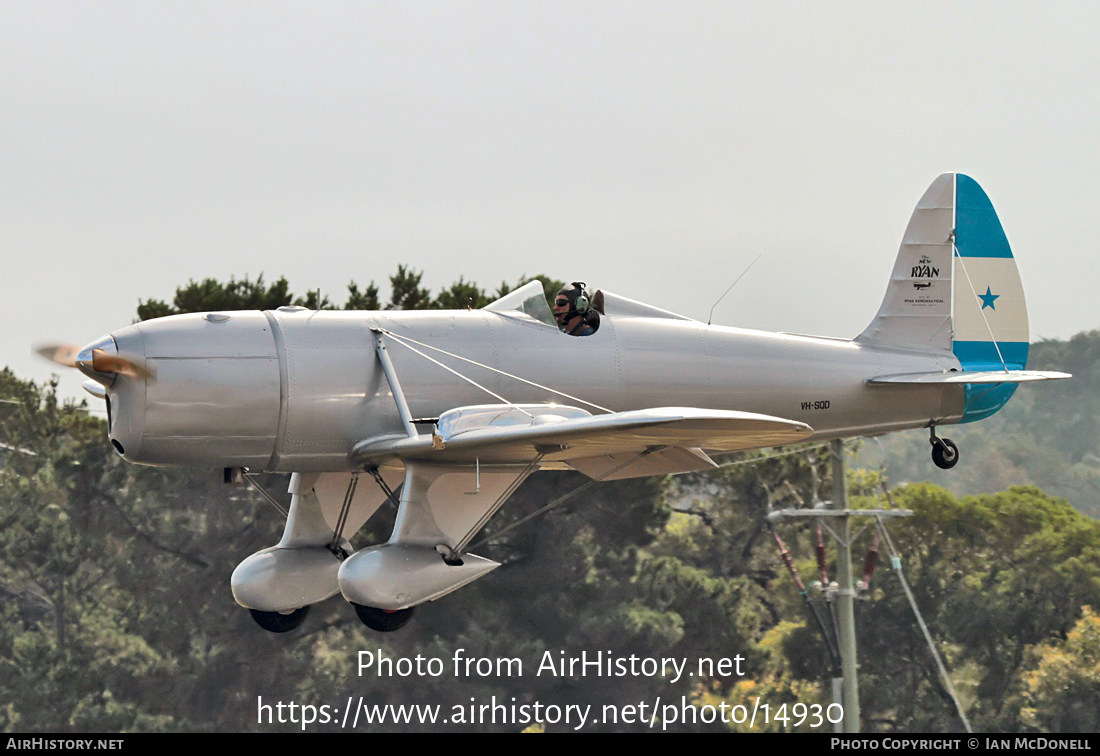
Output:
[[987, 299]]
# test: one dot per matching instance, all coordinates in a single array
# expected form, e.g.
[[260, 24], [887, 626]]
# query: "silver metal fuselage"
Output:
[[295, 390]]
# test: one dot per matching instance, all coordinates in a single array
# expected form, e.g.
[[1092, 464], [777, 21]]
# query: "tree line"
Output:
[[406, 293]]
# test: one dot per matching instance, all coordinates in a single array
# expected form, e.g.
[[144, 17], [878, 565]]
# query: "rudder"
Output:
[[989, 312]]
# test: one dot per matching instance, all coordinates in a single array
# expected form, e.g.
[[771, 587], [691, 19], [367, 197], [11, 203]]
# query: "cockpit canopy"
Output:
[[528, 299]]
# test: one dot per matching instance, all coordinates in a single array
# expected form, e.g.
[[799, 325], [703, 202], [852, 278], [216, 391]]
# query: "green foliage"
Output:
[[118, 615], [776, 684], [362, 300], [1062, 688], [993, 575], [406, 293], [310, 301], [1065, 417], [118, 575], [460, 295], [211, 294], [75, 654]]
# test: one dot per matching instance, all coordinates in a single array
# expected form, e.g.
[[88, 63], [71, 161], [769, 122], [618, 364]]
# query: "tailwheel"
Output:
[[280, 622], [944, 453], [382, 620]]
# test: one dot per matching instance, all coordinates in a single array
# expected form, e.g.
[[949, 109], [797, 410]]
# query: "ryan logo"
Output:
[[924, 269]]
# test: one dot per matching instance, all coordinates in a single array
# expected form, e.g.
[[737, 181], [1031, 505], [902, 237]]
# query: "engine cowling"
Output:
[[211, 396]]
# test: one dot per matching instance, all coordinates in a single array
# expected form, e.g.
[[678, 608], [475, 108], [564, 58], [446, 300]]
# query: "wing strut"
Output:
[[395, 385], [456, 552], [564, 497], [342, 519], [391, 495]]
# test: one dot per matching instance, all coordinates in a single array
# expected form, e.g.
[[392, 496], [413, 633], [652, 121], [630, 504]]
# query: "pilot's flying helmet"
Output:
[[576, 296]]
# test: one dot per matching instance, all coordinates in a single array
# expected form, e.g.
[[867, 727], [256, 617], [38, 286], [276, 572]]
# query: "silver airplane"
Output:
[[448, 412]]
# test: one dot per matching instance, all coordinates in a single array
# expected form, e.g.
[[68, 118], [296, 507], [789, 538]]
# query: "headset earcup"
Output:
[[582, 301]]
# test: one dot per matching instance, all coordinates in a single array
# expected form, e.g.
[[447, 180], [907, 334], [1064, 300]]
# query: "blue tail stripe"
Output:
[[982, 355], [980, 400], [978, 231]]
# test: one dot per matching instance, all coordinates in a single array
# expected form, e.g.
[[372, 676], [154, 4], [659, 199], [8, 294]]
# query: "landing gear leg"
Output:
[[944, 452]]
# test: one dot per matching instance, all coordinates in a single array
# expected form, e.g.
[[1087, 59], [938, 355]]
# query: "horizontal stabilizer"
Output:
[[962, 377]]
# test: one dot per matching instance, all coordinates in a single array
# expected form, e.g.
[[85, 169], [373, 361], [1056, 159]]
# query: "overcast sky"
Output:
[[652, 149]]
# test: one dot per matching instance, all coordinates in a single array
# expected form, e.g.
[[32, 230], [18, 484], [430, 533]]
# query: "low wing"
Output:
[[546, 434], [957, 376]]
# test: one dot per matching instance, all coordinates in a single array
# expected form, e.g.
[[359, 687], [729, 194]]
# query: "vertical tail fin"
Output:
[[916, 312], [955, 287]]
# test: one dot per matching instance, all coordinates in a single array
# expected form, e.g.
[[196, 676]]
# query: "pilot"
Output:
[[574, 311]]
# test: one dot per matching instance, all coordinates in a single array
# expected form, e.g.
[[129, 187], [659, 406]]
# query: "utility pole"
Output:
[[846, 616], [840, 515]]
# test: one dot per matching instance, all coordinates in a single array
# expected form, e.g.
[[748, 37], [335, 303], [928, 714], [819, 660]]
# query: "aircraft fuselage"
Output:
[[294, 389]]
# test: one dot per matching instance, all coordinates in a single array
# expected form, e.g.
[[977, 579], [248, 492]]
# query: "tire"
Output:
[[945, 454], [381, 620], [277, 622]]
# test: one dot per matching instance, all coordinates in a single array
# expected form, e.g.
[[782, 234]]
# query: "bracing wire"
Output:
[[561, 499], [754, 460], [250, 479], [400, 339], [460, 375]]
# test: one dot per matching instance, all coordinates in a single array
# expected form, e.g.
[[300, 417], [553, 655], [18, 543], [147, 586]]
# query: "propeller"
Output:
[[102, 361], [112, 363], [62, 354]]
